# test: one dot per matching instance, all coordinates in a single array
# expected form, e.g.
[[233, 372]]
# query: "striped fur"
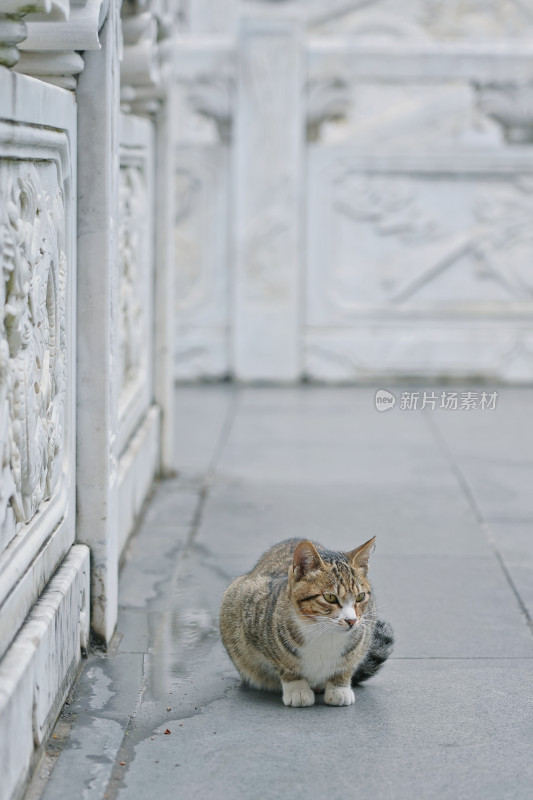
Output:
[[378, 652], [304, 620]]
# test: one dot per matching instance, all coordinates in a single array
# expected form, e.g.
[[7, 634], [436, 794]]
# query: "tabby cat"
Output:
[[304, 621]]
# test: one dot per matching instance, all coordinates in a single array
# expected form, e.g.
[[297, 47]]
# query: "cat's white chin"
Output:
[[339, 696]]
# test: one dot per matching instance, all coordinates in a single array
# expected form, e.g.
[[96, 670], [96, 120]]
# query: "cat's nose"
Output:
[[351, 622]]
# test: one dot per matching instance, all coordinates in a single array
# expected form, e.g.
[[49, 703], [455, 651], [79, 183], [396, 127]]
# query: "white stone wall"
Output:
[[86, 348], [37, 346], [203, 100], [353, 187], [419, 191], [138, 413], [44, 576]]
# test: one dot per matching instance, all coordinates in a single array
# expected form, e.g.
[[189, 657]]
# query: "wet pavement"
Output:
[[449, 496]]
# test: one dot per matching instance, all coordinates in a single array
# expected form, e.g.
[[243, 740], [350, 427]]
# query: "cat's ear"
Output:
[[305, 559], [359, 557]]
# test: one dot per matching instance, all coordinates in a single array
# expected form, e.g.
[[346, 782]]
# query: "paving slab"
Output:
[[494, 452], [245, 518], [442, 729], [514, 543], [447, 607], [451, 713], [201, 414], [307, 447]]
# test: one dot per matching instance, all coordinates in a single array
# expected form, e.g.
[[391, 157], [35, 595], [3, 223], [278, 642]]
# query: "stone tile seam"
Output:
[[467, 490], [209, 475]]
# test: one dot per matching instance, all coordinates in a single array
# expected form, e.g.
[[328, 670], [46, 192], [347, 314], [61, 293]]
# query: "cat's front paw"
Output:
[[339, 696], [297, 694]]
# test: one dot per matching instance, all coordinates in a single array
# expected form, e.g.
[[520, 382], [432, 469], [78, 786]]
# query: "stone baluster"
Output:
[[145, 67], [13, 28], [50, 51], [12, 31], [45, 42]]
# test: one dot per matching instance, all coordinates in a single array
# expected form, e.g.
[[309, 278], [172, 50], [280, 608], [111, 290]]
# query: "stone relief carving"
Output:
[[408, 116], [438, 19], [393, 209], [512, 106], [204, 109], [133, 204], [32, 339], [327, 101], [382, 25], [212, 97], [490, 236], [472, 19], [503, 242]]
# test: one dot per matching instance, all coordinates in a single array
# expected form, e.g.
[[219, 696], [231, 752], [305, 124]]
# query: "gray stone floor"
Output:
[[449, 495]]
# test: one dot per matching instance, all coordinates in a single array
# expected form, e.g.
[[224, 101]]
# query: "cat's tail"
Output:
[[378, 652]]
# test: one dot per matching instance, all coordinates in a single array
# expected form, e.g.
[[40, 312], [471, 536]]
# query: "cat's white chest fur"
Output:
[[320, 657]]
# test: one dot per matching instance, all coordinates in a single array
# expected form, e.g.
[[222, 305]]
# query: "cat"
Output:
[[304, 621]]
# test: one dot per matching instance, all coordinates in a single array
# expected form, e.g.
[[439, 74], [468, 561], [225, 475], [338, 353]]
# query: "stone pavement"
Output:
[[449, 495]]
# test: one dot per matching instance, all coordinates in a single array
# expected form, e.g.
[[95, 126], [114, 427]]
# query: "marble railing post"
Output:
[[98, 174], [268, 152], [164, 283], [145, 83]]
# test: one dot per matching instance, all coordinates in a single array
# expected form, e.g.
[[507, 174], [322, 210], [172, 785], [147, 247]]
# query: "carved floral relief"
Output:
[[438, 19], [33, 352], [409, 241], [133, 200]]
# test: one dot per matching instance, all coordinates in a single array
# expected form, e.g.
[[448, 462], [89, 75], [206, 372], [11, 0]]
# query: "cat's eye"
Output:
[[330, 598], [360, 597]]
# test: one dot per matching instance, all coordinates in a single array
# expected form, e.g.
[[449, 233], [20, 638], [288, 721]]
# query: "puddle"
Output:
[[99, 684]]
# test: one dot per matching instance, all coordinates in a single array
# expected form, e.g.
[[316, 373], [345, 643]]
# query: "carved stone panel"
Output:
[[37, 346], [138, 437], [136, 276], [201, 253], [132, 321], [33, 342], [420, 188], [440, 19], [420, 265]]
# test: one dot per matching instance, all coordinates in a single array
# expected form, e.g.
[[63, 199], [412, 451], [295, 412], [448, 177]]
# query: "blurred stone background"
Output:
[[354, 190]]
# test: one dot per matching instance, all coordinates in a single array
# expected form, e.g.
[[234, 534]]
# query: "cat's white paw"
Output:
[[297, 694], [339, 696]]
